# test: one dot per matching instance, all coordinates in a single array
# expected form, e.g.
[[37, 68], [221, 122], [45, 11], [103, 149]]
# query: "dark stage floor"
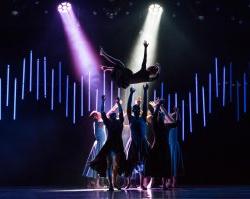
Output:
[[184, 192]]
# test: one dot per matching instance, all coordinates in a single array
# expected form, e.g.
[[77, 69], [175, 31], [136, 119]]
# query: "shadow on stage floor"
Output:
[[182, 192]]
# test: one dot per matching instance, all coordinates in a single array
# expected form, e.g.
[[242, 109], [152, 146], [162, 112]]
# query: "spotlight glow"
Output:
[[155, 9], [83, 55], [149, 32], [64, 7]]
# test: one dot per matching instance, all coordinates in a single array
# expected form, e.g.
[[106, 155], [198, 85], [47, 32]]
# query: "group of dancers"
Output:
[[152, 148]]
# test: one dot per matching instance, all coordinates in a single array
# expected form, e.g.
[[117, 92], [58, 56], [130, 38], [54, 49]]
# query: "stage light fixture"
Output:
[[155, 8], [64, 7]]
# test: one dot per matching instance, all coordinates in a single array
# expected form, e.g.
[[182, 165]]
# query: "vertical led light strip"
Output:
[[104, 83], [52, 89], [0, 99], [210, 93], [37, 79], [8, 85], [15, 92], [81, 96], [111, 93], [175, 100], [169, 103], [244, 93], [154, 94], [67, 97], [60, 83], [224, 87], [119, 92], [89, 94], [162, 90], [190, 112], [231, 83], [204, 106], [238, 101], [183, 119], [23, 78], [45, 77], [216, 78], [74, 103], [196, 94], [96, 99], [31, 62]]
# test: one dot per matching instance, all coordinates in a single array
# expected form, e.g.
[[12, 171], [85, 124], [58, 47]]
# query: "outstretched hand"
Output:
[[145, 43], [103, 98], [132, 90]]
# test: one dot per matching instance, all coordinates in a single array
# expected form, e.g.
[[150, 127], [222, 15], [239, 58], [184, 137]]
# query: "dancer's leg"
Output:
[[141, 182], [112, 60], [115, 171], [109, 163]]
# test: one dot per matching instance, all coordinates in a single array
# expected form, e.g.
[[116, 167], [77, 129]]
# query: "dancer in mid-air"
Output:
[[139, 146], [123, 76], [112, 156]]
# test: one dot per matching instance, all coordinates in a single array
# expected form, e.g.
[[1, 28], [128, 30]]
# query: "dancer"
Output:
[[112, 156], [158, 163], [177, 167], [124, 76], [100, 138], [139, 146]]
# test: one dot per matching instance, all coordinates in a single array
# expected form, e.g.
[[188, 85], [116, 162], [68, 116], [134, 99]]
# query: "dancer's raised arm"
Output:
[[129, 109], [145, 102], [144, 63]]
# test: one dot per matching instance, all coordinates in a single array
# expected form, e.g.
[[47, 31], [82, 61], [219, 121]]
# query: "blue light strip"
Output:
[[104, 83], [8, 85], [231, 83], [196, 94], [111, 93], [245, 92], [96, 99], [175, 100], [31, 61], [190, 112], [210, 94], [224, 87], [74, 104], [89, 94], [216, 78], [37, 79], [204, 106], [23, 78], [238, 101], [169, 103], [0, 99], [44, 77], [15, 91], [162, 90], [60, 83], [154, 94], [119, 92], [183, 121], [67, 97], [52, 89], [81, 96]]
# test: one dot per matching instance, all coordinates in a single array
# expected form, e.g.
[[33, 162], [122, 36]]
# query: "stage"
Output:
[[73, 193]]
